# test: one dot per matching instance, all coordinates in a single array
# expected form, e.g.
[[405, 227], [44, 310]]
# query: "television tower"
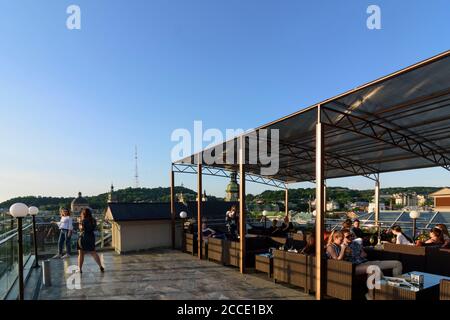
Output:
[[136, 174]]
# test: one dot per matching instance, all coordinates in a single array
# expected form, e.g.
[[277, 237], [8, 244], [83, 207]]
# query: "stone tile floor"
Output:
[[159, 274]]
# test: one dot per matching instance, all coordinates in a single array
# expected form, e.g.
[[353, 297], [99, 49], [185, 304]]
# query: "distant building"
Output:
[[405, 199], [421, 200], [78, 204], [232, 190], [371, 207], [142, 226], [360, 204], [441, 199], [204, 197], [332, 205]]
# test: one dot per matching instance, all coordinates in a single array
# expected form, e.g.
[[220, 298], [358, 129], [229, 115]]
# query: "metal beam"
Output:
[[380, 132], [332, 160], [221, 172]]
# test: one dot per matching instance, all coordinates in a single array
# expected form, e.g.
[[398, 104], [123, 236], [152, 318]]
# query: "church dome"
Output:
[[233, 186], [80, 201]]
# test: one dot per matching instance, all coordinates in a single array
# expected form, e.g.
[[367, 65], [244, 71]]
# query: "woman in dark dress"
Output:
[[86, 239]]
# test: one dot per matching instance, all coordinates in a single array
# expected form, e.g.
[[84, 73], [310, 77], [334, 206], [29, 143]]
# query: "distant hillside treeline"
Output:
[[299, 196], [100, 201], [339, 194]]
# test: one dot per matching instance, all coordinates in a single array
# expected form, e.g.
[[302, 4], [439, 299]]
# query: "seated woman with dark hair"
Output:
[[436, 238], [445, 234], [310, 248]]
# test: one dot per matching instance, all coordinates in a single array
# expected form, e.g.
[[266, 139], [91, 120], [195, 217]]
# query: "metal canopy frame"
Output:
[[398, 122], [220, 172]]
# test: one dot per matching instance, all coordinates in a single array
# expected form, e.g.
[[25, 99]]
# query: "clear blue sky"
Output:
[[73, 103]]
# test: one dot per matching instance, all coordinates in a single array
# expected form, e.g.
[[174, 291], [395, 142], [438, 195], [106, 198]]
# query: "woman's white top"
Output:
[[66, 223], [401, 239]]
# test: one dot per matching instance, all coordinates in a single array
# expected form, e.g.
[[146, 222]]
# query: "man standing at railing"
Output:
[[65, 233]]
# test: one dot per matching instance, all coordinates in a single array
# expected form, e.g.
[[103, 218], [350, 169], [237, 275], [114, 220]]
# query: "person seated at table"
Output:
[[310, 248], [446, 236], [355, 253], [347, 224], [401, 238], [436, 238], [356, 229], [273, 227], [335, 248], [287, 225], [210, 233], [278, 231], [207, 232]]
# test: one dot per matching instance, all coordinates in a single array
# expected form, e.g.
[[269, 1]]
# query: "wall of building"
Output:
[[442, 203], [143, 235]]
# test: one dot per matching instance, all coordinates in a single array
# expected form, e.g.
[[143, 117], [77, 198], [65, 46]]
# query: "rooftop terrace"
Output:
[[161, 274]]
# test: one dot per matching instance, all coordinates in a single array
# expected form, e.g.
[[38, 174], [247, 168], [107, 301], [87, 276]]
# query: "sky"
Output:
[[74, 103]]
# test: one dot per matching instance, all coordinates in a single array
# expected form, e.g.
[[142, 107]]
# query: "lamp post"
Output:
[[19, 211], [183, 216], [33, 211], [264, 213], [414, 215]]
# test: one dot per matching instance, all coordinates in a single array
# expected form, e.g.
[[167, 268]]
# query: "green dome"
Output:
[[233, 186]]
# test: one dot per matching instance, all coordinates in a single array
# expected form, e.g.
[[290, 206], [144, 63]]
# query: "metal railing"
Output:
[[9, 271]]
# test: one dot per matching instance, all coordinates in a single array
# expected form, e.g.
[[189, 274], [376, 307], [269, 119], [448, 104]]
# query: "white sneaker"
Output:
[[65, 256], [56, 256]]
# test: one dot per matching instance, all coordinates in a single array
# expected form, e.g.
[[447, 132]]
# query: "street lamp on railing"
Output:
[[414, 215], [33, 211], [19, 211], [264, 213]]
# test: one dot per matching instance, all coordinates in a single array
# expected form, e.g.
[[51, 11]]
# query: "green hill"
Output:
[[99, 201], [299, 196]]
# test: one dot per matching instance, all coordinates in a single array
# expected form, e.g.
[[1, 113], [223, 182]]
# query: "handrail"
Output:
[[14, 234], [431, 220]]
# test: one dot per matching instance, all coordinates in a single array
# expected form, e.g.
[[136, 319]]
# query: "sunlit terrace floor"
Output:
[[161, 274]]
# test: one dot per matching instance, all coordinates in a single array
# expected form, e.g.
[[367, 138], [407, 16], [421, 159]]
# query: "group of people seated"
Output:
[[343, 245], [286, 226], [439, 237]]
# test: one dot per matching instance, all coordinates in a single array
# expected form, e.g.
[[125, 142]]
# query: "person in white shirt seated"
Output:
[[401, 238], [65, 226]]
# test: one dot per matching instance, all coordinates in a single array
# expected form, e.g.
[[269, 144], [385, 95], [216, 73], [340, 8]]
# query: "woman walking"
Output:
[[86, 239], [65, 226]]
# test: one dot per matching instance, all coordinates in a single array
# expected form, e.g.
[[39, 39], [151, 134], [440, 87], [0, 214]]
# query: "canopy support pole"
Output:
[[286, 202], [320, 212], [199, 206], [242, 213], [377, 205]]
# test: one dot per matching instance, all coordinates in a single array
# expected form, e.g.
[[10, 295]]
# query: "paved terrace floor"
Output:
[[161, 274]]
